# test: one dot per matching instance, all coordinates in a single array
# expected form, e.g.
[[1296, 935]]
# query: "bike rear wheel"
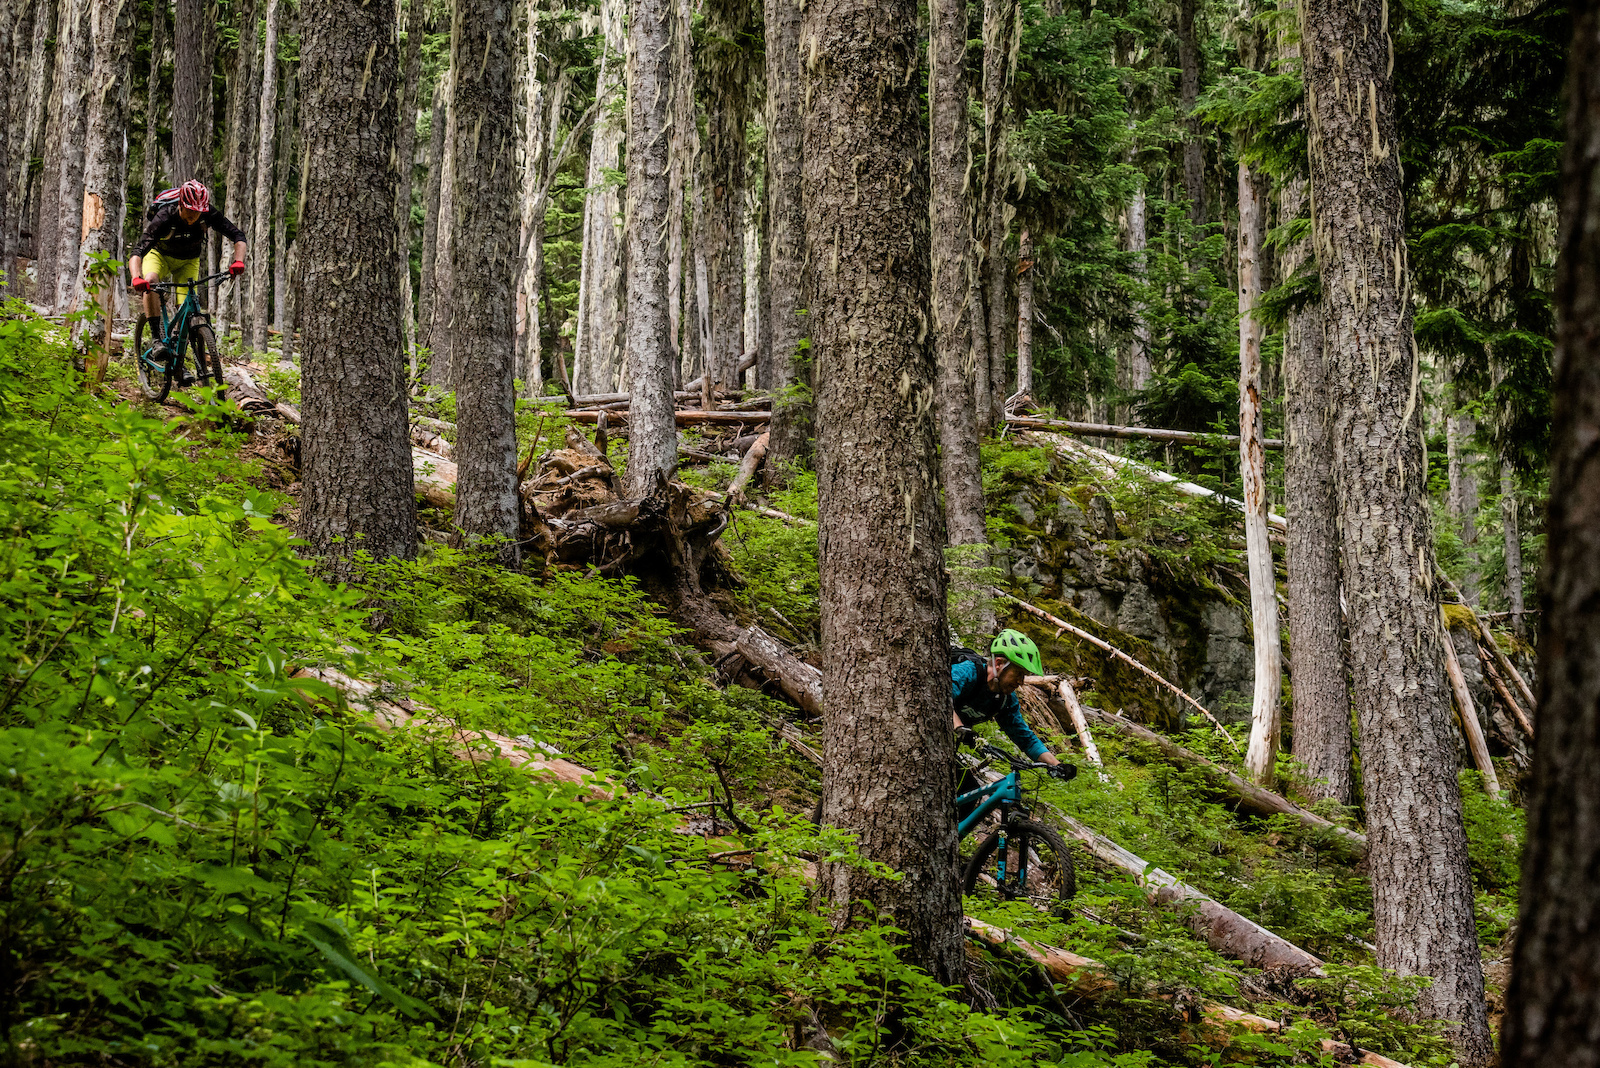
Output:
[[1023, 861], [155, 382], [207, 358]]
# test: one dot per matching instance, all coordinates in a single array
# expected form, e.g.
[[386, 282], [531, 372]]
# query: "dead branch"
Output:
[[747, 469], [1487, 640], [1499, 685], [1468, 713], [1080, 722], [1062, 626]]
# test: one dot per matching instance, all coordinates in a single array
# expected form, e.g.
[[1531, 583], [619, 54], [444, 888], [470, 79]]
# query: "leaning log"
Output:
[[1487, 640], [1229, 788], [747, 468], [800, 682], [1468, 711], [1089, 979]]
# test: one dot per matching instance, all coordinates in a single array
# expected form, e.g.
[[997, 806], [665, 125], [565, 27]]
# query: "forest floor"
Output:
[[629, 933]]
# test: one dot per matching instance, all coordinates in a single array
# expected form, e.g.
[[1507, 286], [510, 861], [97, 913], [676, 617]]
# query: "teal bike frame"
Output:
[[174, 333], [1004, 794]]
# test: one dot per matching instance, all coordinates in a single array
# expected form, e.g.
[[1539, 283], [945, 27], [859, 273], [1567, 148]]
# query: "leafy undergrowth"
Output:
[[207, 859]]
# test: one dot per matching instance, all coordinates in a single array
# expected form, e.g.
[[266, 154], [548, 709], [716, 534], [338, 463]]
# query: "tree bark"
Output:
[[153, 101], [483, 128], [652, 430], [65, 80], [1553, 1004], [1265, 711], [786, 241], [41, 67], [1317, 663], [1000, 19], [191, 93], [106, 161], [8, 139], [441, 331], [1139, 346], [887, 702], [287, 155], [430, 231], [1511, 527], [597, 341], [238, 189], [1421, 879], [724, 74], [261, 231], [1025, 314], [356, 451], [1194, 152], [1463, 496], [406, 157], [73, 134], [951, 219]]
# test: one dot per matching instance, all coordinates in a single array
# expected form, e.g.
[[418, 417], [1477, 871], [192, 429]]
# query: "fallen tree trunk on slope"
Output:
[[800, 682], [747, 469], [684, 417], [1103, 430], [1231, 789], [1467, 711], [1089, 980]]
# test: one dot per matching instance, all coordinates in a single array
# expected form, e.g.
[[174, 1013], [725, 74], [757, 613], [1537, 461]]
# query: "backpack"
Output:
[[958, 653], [165, 197]]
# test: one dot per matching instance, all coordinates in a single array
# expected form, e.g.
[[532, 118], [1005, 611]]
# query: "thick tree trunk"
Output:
[[1265, 712], [1000, 18], [430, 231], [47, 228], [1553, 1005], [724, 75], [983, 397], [536, 150], [240, 149], [75, 58], [1421, 880], [786, 239], [356, 451], [1317, 664], [951, 218], [483, 128], [887, 705], [261, 230], [191, 93], [596, 343], [153, 101], [1025, 314], [652, 428], [1194, 151], [1139, 345], [15, 174], [36, 109], [106, 162], [442, 323]]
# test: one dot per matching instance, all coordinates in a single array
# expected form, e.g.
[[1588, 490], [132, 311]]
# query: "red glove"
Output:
[[236, 268], [141, 284]]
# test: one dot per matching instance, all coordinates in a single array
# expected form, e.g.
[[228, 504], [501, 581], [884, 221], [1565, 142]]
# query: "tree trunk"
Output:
[[1265, 712], [883, 646], [47, 231], [983, 397], [595, 354], [15, 174], [191, 93], [685, 150], [652, 429], [406, 159], [441, 330], [1139, 346], [153, 100], [430, 231], [724, 75], [239, 148], [1511, 527], [786, 239], [1025, 315], [1554, 998], [8, 139], [1000, 18], [535, 165], [483, 127], [106, 161], [41, 80], [73, 135], [1194, 151], [1463, 497], [951, 218], [1421, 880], [356, 451], [291, 310], [261, 231], [1317, 666], [280, 197]]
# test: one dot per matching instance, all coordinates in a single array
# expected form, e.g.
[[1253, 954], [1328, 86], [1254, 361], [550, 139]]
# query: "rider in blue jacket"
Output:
[[987, 689]]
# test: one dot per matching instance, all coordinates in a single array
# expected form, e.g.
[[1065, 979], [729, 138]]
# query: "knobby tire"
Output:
[[153, 383], [1052, 876]]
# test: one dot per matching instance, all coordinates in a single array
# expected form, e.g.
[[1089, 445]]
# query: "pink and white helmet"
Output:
[[194, 196]]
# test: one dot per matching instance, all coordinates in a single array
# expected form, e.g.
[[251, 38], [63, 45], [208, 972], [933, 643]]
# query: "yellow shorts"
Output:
[[157, 268]]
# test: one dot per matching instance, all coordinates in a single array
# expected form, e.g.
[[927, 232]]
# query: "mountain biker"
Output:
[[987, 689], [173, 239]]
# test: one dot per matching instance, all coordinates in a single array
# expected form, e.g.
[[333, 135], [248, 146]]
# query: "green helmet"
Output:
[[1018, 648]]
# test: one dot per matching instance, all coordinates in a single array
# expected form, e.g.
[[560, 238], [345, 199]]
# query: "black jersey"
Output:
[[170, 235]]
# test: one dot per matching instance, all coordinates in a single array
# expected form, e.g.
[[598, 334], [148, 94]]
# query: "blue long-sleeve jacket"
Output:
[[976, 703]]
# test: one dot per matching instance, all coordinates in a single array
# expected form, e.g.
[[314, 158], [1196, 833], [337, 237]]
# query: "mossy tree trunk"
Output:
[[1421, 878], [887, 705]]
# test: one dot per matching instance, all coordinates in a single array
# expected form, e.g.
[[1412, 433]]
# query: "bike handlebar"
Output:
[[1016, 765], [173, 287]]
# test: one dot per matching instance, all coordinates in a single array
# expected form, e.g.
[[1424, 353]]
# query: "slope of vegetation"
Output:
[[208, 856]]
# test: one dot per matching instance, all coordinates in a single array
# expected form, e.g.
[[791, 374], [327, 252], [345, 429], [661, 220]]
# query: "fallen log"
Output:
[[685, 417], [431, 440], [1062, 626], [251, 397], [1467, 710], [747, 469], [1089, 979], [770, 513], [1080, 722], [800, 682], [1487, 640], [1499, 685], [1224, 930], [435, 478], [1102, 430], [1231, 789]]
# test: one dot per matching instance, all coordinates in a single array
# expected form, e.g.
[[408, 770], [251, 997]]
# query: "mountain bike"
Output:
[[1021, 859], [162, 344]]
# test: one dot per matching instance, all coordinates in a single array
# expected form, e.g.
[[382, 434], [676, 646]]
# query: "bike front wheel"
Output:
[[155, 376], [1023, 861]]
